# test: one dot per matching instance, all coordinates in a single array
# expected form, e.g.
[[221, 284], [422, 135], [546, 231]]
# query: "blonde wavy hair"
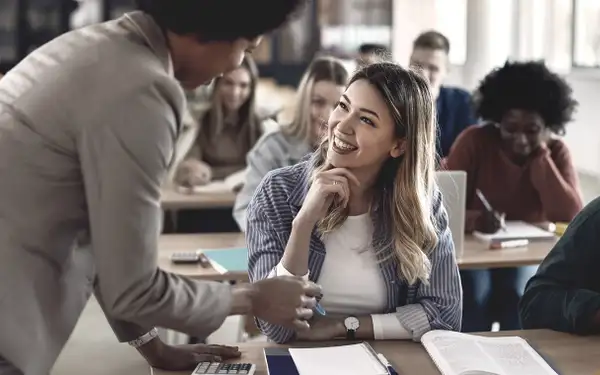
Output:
[[402, 196], [323, 68]]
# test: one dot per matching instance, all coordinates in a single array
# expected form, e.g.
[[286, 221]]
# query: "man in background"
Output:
[[454, 111], [370, 53]]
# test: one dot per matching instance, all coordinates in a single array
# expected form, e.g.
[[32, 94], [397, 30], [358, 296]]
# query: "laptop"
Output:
[[453, 185]]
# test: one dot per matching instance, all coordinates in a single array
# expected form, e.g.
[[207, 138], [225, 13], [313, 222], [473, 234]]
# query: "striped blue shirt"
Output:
[[419, 308]]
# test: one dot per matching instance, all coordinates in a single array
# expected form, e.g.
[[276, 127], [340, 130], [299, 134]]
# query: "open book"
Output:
[[233, 182], [463, 354]]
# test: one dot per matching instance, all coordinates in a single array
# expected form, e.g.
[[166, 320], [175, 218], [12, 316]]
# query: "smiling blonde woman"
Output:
[[364, 217]]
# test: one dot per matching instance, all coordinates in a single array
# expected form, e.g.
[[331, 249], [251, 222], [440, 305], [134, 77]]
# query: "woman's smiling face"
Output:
[[361, 130]]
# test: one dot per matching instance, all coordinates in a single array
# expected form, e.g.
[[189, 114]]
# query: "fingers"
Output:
[[206, 358], [220, 350], [343, 181], [300, 325], [308, 302], [303, 313], [339, 190], [343, 172], [311, 289]]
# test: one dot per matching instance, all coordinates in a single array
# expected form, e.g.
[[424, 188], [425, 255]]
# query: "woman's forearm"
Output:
[[295, 257], [558, 190]]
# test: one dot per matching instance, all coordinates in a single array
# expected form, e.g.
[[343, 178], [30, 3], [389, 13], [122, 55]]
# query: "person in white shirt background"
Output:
[[364, 217]]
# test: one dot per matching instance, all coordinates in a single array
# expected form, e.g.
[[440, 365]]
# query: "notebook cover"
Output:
[[228, 260], [279, 362]]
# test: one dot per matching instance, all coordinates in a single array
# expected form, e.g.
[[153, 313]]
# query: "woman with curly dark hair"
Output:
[[523, 168]]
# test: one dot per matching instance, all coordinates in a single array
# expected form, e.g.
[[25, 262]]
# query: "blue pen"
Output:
[[320, 310], [387, 364]]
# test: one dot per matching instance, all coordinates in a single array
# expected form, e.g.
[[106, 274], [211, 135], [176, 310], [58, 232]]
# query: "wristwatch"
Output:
[[351, 323], [144, 339]]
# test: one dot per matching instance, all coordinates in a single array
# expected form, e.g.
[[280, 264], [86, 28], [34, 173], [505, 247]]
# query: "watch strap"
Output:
[[144, 339], [350, 334]]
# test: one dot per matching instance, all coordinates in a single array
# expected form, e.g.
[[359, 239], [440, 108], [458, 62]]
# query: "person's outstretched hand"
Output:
[[285, 301], [185, 357]]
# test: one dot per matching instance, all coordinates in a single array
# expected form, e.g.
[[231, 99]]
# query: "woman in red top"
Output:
[[523, 168]]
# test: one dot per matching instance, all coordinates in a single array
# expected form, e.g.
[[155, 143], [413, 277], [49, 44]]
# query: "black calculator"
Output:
[[218, 368]]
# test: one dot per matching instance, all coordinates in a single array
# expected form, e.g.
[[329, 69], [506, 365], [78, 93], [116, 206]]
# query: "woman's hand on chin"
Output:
[[327, 186]]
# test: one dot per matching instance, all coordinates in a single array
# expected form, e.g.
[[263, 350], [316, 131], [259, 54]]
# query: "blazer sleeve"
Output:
[[265, 250], [262, 159], [438, 302], [124, 157], [125, 331]]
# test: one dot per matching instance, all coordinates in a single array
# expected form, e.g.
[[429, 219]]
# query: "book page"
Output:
[[458, 354], [463, 354], [236, 180], [515, 356]]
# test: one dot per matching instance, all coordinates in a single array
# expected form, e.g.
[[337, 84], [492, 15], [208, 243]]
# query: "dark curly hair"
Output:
[[528, 86]]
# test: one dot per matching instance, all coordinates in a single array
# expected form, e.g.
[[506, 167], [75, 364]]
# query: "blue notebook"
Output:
[[228, 260], [279, 362]]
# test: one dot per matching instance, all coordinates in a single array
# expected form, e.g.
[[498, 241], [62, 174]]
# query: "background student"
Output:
[[85, 171], [217, 135], [564, 295], [318, 93], [522, 167], [453, 105], [369, 53], [382, 249]]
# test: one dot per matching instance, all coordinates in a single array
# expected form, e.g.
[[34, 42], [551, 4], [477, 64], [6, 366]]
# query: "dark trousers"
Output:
[[492, 295]]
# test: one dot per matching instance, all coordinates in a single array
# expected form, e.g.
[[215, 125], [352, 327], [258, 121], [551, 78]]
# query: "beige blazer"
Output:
[[87, 128]]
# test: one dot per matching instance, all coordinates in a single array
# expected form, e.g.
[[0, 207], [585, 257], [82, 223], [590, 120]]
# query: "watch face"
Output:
[[351, 323]]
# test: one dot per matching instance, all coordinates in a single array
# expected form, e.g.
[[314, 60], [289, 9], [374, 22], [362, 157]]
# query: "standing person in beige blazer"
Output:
[[87, 127]]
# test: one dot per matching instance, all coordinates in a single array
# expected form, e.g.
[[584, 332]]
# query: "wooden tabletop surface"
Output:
[[475, 254], [174, 200], [569, 355]]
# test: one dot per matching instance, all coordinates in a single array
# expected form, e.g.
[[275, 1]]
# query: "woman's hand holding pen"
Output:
[[327, 186], [490, 220]]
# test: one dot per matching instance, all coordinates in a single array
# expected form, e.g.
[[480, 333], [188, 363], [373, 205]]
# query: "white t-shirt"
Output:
[[351, 279]]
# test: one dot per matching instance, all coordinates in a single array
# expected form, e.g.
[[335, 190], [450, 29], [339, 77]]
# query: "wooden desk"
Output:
[[173, 200], [475, 254], [171, 243], [568, 354]]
